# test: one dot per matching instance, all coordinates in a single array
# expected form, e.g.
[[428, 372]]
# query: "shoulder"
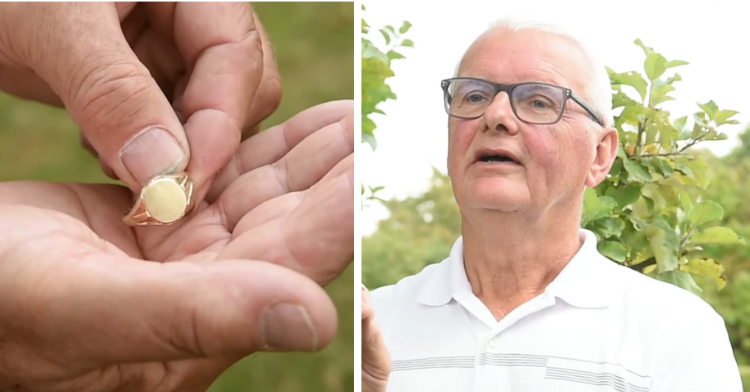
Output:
[[687, 339], [405, 290], [664, 301], [391, 301]]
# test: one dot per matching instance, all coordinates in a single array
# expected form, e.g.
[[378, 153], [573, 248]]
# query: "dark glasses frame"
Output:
[[508, 89]]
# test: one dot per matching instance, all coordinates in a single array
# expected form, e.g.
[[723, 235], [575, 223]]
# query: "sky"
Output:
[[412, 136]]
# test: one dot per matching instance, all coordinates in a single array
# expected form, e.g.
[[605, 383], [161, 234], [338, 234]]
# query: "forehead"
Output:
[[508, 56]]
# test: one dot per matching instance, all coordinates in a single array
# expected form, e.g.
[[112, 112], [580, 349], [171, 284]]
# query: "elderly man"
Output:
[[524, 302]]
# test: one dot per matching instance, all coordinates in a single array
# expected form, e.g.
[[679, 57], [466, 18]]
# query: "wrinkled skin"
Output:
[[121, 68], [89, 304]]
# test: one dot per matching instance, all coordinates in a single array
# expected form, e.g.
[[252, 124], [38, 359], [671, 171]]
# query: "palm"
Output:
[[290, 204]]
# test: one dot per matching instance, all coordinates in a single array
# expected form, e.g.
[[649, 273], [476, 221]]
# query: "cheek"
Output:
[[545, 151], [562, 160], [557, 160], [460, 136]]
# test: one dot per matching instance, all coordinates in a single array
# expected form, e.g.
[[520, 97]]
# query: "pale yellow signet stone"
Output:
[[165, 200]]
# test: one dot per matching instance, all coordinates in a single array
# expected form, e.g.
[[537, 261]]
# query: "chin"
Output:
[[497, 196]]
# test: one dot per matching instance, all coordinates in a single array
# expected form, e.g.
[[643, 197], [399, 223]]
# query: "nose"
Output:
[[499, 115]]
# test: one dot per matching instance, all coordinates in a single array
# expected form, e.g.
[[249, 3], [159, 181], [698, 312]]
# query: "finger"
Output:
[[189, 375], [366, 307], [316, 238], [223, 50], [268, 96], [26, 84], [376, 363], [134, 311], [272, 144], [149, 30], [111, 95], [302, 167], [282, 206]]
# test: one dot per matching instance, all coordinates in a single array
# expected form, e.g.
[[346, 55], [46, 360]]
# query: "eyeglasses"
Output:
[[534, 103]]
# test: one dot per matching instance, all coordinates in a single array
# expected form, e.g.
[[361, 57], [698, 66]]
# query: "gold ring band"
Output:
[[164, 200]]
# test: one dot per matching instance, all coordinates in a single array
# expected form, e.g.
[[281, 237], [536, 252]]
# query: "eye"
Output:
[[539, 104], [474, 98]]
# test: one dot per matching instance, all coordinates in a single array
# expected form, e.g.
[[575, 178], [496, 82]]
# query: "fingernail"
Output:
[[151, 153], [286, 326]]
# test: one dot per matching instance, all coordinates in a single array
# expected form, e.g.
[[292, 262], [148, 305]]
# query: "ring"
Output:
[[164, 200]]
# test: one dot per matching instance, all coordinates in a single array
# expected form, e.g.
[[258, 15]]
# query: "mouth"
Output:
[[496, 157]]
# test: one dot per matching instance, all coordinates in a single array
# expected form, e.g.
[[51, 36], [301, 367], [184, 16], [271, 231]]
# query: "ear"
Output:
[[606, 152]]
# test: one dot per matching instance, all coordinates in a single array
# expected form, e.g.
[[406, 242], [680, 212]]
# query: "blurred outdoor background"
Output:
[[686, 178], [314, 45]]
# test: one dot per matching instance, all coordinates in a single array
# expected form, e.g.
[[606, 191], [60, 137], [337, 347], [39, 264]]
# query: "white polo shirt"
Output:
[[598, 327]]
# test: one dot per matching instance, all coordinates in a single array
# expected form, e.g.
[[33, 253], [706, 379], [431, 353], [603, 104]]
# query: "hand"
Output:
[[156, 88], [376, 362], [89, 304]]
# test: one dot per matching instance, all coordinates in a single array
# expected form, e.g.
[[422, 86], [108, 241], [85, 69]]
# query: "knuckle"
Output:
[[107, 91]]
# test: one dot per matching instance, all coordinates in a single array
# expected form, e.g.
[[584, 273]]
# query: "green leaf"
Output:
[[709, 108], [684, 169], [407, 43], [370, 139], [624, 195], [621, 152], [655, 65], [686, 201], [676, 63], [404, 27], [632, 79], [664, 243], [716, 235], [613, 250], [665, 168], [387, 36], [679, 124], [621, 99], [699, 169], [393, 55], [722, 116], [646, 50], [595, 207], [705, 211], [616, 167], [636, 171], [649, 203], [680, 279], [707, 267], [607, 226]]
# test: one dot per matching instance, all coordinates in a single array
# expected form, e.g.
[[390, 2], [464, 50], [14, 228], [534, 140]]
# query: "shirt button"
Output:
[[495, 342]]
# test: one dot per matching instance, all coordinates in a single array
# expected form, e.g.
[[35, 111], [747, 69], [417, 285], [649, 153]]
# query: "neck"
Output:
[[511, 257]]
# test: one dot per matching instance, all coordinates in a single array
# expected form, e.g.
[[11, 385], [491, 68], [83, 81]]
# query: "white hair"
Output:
[[597, 91]]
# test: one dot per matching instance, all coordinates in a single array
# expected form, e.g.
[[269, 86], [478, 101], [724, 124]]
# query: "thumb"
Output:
[[147, 312], [376, 362], [108, 92]]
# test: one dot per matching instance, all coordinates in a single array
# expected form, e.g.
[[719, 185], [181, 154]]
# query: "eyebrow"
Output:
[[549, 80]]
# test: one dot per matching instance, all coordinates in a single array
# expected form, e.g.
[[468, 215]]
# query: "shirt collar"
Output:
[[585, 282]]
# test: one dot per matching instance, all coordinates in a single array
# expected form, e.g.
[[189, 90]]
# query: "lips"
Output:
[[495, 155]]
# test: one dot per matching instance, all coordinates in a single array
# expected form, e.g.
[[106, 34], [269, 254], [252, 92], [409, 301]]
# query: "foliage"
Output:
[[419, 231], [41, 143], [644, 214], [728, 187], [376, 68]]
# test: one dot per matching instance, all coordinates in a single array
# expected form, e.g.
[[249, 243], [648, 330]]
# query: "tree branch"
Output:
[[643, 264]]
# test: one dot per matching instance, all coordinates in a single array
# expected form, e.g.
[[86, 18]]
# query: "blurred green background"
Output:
[[314, 45]]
